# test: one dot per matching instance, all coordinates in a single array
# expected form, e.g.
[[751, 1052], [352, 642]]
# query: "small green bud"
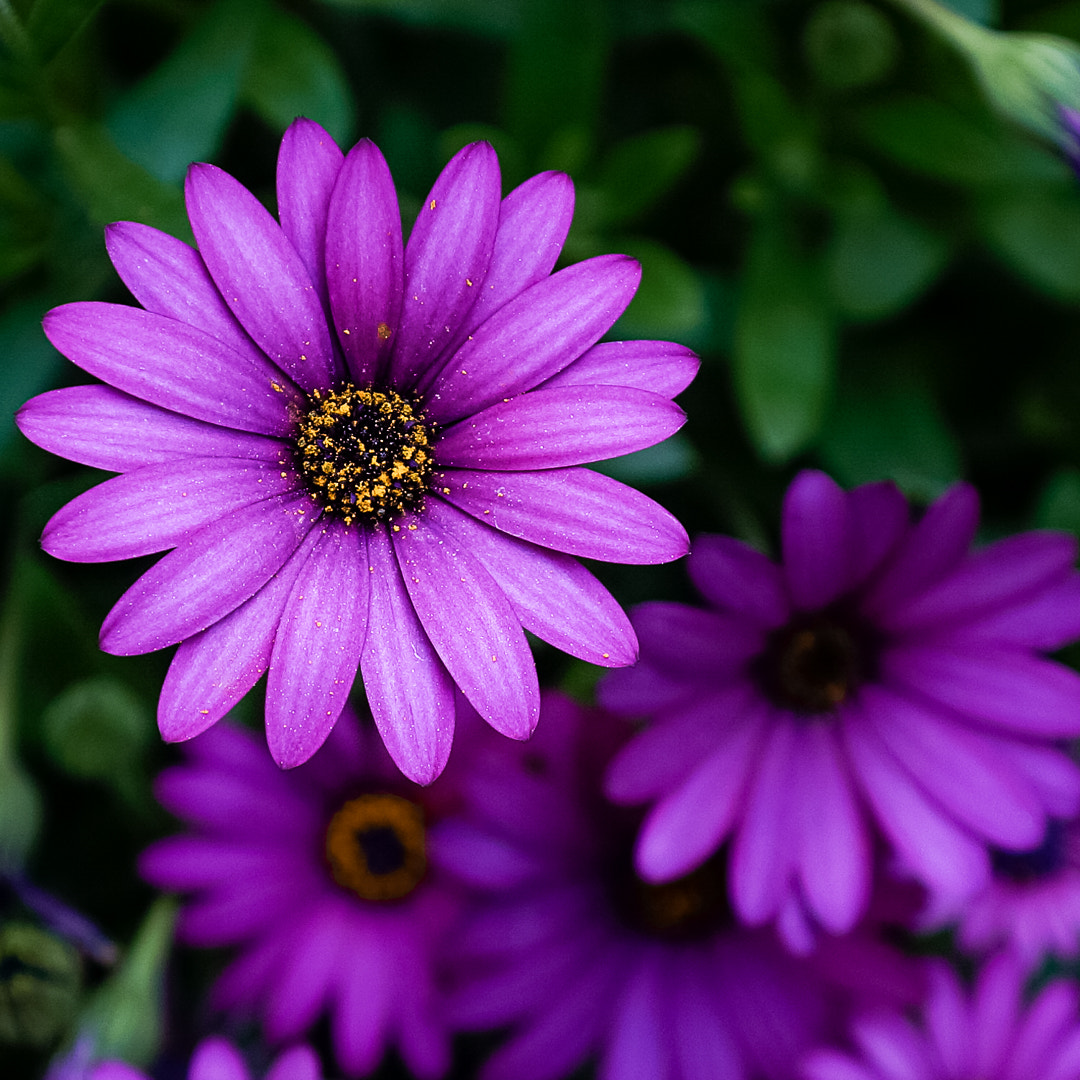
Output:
[[849, 44]]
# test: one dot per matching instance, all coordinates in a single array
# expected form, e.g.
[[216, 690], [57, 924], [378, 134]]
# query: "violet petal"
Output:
[[409, 691], [261, 275], [364, 261], [317, 647], [694, 642], [816, 540], [446, 261], [472, 626], [533, 336], [187, 590], [734, 577], [578, 511], [154, 507], [107, 429], [662, 367], [176, 366]]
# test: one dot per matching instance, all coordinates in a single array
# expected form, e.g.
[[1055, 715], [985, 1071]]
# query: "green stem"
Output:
[[963, 33]]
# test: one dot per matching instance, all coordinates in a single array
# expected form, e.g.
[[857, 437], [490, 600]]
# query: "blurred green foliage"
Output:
[[879, 268]]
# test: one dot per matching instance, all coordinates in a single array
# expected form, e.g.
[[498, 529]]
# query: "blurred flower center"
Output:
[[1040, 862], [375, 846], [691, 907], [365, 454], [815, 662]]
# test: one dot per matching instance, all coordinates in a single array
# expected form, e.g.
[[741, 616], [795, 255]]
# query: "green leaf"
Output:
[[179, 113], [670, 302], [1059, 503], [667, 461], [877, 261], [112, 187], [51, 24], [642, 169], [502, 19], [888, 426], [938, 140], [1038, 234], [293, 72], [785, 345], [32, 362]]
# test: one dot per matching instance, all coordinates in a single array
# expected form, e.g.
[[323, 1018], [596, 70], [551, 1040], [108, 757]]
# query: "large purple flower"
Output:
[[882, 681], [583, 959], [319, 876], [363, 455], [989, 1033]]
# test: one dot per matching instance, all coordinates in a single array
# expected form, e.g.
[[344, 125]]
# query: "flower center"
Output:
[[375, 846], [1028, 866], [689, 908], [365, 454], [816, 662]]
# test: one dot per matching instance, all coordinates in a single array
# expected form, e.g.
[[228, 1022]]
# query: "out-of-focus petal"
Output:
[[816, 534], [734, 577]]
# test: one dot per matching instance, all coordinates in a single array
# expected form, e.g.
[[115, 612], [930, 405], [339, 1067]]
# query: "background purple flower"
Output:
[[217, 1059], [582, 959], [990, 1033], [363, 454], [881, 681], [318, 877]]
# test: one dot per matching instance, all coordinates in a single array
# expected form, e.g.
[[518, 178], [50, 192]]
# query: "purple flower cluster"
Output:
[[365, 456]]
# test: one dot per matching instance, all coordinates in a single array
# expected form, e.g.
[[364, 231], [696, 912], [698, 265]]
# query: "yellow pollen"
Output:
[[384, 332], [375, 845]]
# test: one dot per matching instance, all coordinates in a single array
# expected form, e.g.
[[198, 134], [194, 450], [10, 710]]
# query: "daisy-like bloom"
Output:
[[319, 876], [881, 683], [989, 1033], [217, 1059], [583, 960], [365, 455], [1031, 902]]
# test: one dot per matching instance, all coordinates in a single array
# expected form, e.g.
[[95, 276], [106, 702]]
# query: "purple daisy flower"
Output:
[[217, 1059], [1031, 902], [301, 869], [989, 1033], [881, 682], [365, 455], [583, 959]]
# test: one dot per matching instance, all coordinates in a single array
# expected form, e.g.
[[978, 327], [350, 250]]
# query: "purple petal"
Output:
[[446, 260], [816, 535], [364, 264], [552, 594], [659, 366], [409, 691], [217, 1059], [156, 506], [734, 577], [1001, 574], [532, 337], [660, 757], [533, 222], [929, 551], [168, 277], [550, 429], [472, 626], [999, 688], [101, 427], [211, 573], [482, 860], [995, 1007], [764, 852], [946, 1018], [693, 642], [296, 1063], [879, 520], [834, 851], [702, 1042], [1044, 1027], [1046, 621], [307, 167], [577, 511], [686, 826], [642, 690], [263, 279], [317, 647], [963, 773], [176, 366], [213, 670], [362, 1008], [930, 844], [1051, 774], [639, 1037]]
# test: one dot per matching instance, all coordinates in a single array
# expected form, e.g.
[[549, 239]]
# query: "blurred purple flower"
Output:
[[882, 680], [1031, 902], [365, 456], [1070, 135], [319, 877], [582, 959], [989, 1033], [217, 1059]]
